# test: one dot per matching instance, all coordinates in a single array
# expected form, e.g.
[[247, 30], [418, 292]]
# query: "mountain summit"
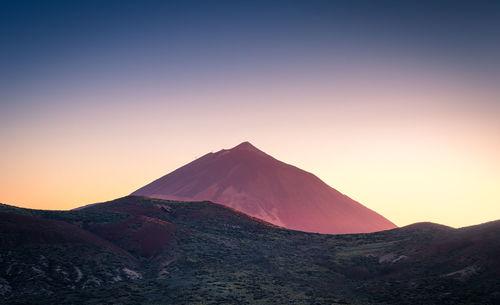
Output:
[[253, 182], [245, 146]]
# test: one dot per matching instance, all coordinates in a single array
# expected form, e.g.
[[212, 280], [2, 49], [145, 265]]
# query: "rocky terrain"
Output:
[[137, 250]]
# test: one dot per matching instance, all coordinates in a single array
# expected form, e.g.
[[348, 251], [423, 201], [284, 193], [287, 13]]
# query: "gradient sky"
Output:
[[394, 103]]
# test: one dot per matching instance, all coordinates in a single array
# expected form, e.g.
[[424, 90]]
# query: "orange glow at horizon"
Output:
[[412, 152]]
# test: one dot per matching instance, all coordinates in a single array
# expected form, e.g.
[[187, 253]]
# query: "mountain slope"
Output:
[[43, 251], [255, 183], [216, 255]]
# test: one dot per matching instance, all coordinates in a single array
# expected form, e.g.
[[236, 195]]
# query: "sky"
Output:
[[394, 103]]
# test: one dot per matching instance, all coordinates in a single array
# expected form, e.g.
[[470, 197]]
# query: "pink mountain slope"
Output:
[[255, 183]]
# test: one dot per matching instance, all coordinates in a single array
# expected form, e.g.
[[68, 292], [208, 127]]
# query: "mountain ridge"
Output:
[[260, 185]]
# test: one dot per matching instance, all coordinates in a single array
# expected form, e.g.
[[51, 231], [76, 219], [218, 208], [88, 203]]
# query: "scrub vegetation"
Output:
[[136, 250]]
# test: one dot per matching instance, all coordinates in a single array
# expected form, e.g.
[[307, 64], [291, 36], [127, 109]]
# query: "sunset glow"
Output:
[[407, 125]]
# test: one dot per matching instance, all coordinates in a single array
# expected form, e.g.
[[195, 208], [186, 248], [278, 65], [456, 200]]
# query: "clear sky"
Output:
[[394, 103]]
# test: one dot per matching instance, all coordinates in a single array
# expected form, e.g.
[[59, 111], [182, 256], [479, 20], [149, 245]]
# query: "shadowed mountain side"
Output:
[[255, 183], [42, 252], [19, 230], [137, 250]]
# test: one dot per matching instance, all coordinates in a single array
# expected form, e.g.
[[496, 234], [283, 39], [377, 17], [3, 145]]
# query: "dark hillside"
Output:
[[136, 250]]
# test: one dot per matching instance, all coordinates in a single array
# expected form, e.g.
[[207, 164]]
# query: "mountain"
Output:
[[250, 181], [137, 250]]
